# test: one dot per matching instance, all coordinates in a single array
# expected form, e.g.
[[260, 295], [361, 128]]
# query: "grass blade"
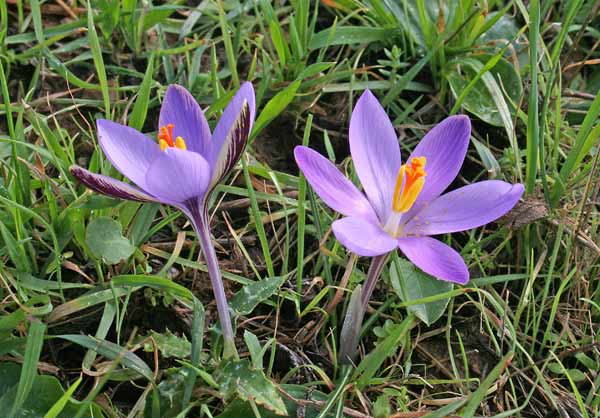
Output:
[[33, 348]]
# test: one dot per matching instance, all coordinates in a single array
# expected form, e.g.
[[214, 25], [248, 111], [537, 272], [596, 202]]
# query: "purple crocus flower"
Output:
[[404, 204], [181, 169]]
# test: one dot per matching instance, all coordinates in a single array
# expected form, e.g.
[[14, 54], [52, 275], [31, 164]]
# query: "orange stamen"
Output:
[[166, 134], [409, 183], [166, 140]]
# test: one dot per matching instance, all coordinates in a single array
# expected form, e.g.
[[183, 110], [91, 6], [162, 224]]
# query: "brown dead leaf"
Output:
[[527, 211]]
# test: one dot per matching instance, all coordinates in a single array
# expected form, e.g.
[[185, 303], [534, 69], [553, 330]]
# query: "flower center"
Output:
[[409, 183], [165, 138]]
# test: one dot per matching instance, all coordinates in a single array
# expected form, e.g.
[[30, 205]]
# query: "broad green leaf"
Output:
[[170, 345], [105, 239], [238, 379], [245, 300], [410, 284], [166, 400], [239, 408], [46, 396], [480, 100]]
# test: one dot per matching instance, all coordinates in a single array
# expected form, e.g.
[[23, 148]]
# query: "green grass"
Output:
[[138, 338]]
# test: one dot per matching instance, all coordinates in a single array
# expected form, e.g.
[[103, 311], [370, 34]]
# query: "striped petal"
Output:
[[233, 146], [109, 186], [229, 118]]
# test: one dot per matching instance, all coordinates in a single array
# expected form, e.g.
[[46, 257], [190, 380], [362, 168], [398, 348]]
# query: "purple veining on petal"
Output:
[[181, 109], [339, 193], [229, 117], [233, 147], [109, 186], [435, 258], [375, 152]]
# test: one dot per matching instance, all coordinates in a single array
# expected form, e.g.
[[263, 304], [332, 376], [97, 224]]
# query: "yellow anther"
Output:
[[180, 143], [163, 144], [409, 183], [165, 138]]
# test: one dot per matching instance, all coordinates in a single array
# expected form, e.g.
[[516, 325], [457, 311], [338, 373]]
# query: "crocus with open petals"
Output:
[[402, 204], [181, 169]]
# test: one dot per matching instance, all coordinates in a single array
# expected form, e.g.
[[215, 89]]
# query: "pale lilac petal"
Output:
[[375, 152], [465, 208], [109, 186], [339, 193], [435, 258], [233, 147], [181, 109], [178, 176], [128, 150], [445, 147], [229, 117], [363, 237]]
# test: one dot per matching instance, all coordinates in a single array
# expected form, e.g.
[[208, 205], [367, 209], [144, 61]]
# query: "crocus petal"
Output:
[[339, 193], [181, 109], [375, 151], [128, 150], [465, 208], [229, 118], [444, 147], [232, 148], [109, 186], [178, 176], [363, 237], [435, 258]]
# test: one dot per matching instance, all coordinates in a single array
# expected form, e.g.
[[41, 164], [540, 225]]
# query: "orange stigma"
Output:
[[165, 138], [409, 183]]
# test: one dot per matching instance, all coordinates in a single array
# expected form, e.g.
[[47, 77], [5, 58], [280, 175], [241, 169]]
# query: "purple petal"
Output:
[[229, 118], [128, 150], [177, 176], [363, 237], [375, 151], [109, 186], [331, 185], [181, 109], [445, 147], [233, 146], [435, 258], [465, 208]]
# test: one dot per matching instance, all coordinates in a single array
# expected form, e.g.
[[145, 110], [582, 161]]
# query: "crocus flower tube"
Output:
[[402, 204], [180, 170]]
